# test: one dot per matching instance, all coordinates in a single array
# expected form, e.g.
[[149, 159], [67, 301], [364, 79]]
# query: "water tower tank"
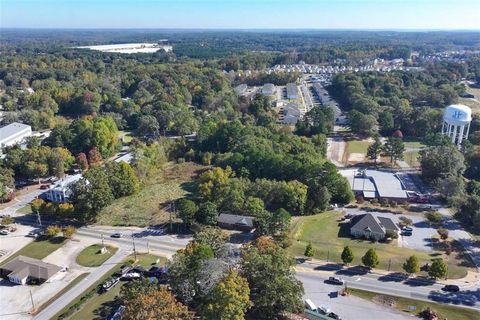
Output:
[[456, 122]]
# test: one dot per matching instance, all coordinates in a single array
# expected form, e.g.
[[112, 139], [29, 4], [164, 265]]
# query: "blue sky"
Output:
[[243, 14]]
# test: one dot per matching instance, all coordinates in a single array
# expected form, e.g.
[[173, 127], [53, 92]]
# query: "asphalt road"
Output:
[[393, 284]]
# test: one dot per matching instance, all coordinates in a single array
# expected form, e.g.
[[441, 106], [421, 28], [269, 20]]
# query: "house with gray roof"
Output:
[[372, 227], [268, 89], [236, 222], [22, 270]]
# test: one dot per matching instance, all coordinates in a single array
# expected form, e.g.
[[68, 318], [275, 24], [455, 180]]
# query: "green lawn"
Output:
[[25, 210], [100, 306], [150, 205], [91, 256], [413, 143], [356, 146], [324, 231], [39, 249], [412, 158], [402, 304]]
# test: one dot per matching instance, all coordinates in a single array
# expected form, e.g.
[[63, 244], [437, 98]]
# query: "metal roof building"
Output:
[[268, 89], [14, 133], [377, 184], [292, 91]]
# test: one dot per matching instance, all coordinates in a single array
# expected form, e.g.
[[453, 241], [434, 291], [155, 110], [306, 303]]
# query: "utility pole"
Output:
[[148, 248], [172, 209], [134, 250], [328, 255], [38, 218], [31, 300], [389, 264]]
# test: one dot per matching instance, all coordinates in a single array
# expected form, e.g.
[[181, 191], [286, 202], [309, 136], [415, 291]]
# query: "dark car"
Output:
[[116, 235], [451, 288], [407, 233], [335, 280]]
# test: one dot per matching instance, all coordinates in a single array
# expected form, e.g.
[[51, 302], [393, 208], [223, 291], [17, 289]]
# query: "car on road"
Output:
[[4, 232], [116, 235], [32, 234], [44, 186], [451, 288], [335, 280]]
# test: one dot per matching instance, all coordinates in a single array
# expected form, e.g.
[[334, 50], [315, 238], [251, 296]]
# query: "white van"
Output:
[[310, 305]]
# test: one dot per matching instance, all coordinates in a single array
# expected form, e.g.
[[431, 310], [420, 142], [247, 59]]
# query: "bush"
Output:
[[434, 217]]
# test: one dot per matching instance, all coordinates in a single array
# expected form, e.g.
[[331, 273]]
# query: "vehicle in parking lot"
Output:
[[109, 284], [335, 280], [407, 229], [406, 233], [44, 186], [451, 288], [32, 234], [4, 232], [116, 235]]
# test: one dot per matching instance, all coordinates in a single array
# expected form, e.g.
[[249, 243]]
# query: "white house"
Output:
[[292, 91], [14, 133], [61, 191]]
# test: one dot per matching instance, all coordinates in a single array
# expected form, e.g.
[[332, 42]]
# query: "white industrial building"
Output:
[[268, 89], [14, 133], [292, 91], [60, 192], [456, 122]]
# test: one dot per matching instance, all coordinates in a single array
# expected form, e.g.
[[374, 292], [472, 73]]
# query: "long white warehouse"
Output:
[[14, 133]]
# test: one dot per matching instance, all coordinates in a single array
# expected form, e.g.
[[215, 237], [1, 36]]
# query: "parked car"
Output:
[[110, 283], [4, 232], [333, 315], [44, 186], [116, 235], [407, 229], [451, 288], [336, 280], [407, 233], [32, 234], [131, 275]]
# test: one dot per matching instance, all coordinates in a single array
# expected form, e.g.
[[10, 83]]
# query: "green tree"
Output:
[[347, 255], [269, 271], [187, 210], [213, 237], [92, 193], [438, 269], [68, 231], [370, 259], [36, 205], [53, 231], [230, 299], [7, 220], [411, 265], [309, 250], [394, 148], [375, 149], [441, 161], [207, 214], [122, 179]]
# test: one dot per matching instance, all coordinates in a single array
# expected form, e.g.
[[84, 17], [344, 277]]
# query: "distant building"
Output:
[[22, 270], [236, 222], [240, 89], [14, 133], [291, 114], [268, 89], [61, 191], [292, 91], [369, 226]]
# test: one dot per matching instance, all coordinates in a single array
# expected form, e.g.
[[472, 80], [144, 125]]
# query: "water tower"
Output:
[[456, 122]]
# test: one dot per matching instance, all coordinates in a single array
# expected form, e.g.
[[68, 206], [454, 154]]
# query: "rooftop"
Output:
[[22, 267], [234, 219], [385, 184], [12, 129]]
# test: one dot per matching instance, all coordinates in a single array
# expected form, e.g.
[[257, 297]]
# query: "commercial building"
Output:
[[372, 227], [268, 89], [291, 114], [236, 222], [61, 191], [292, 91], [23, 270], [371, 184], [14, 133]]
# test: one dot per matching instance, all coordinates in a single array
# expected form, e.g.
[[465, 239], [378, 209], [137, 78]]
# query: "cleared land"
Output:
[[403, 304], [356, 151], [328, 238], [39, 249], [91, 256], [472, 103], [100, 306], [412, 158], [150, 206]]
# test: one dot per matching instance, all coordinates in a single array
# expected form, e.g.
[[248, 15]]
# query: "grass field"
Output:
[[472, 103], [150, 206], [411, 157], [25, 210], [100, 306], [356, 146], [402, 304], [90, 256], [329, 239], [38, 249]]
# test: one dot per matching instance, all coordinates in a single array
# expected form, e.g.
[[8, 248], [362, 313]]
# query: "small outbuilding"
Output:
[[236, 222]]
